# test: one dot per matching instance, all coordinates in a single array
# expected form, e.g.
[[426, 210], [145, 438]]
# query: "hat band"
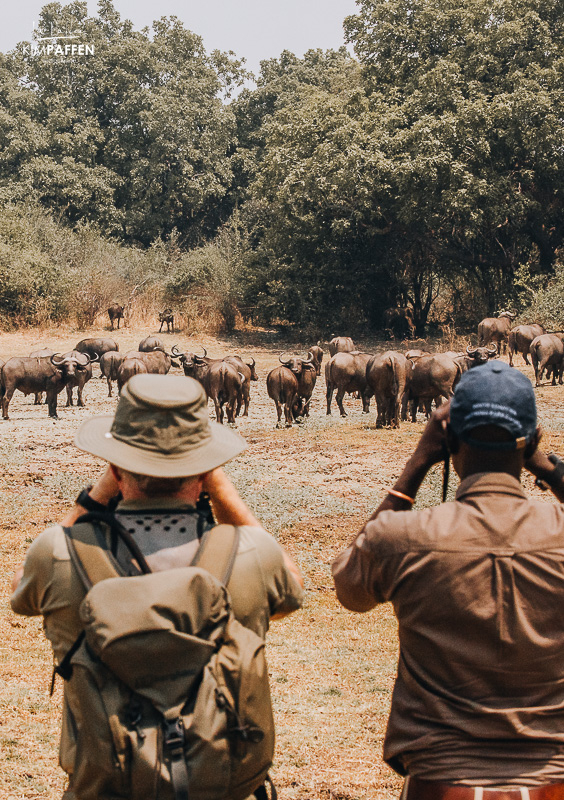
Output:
[[517, 444]]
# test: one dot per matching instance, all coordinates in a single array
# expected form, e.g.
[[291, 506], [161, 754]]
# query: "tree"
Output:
[[135, 137]]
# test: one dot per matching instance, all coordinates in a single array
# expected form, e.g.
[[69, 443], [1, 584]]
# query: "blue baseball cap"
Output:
[[494, 394]]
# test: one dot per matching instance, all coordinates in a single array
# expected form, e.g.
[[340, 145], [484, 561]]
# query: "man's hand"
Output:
[[431, 447]]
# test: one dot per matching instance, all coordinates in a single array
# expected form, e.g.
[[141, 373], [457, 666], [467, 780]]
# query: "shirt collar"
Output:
[[489, 482], [153, 503]]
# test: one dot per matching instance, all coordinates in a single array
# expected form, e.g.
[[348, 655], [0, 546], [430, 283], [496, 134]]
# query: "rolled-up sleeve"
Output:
[[31, 595], [364, 573]]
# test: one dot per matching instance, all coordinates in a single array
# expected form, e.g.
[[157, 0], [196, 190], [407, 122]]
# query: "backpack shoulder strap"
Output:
[[217, 551], [89, 555]]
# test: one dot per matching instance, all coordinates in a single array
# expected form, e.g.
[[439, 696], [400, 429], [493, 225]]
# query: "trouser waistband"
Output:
[[417, 789]]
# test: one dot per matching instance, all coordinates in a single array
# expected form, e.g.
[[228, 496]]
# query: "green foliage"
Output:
[[428, 172], [437, 170], [207, 281], [546, 303], [49, 273], [134, 138], [33, 286]]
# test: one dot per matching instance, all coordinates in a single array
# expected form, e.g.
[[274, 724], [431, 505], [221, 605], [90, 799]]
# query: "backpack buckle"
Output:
[[174, 737]]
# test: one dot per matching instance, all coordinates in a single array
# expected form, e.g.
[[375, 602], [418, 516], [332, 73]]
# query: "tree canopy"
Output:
[[425, 169]]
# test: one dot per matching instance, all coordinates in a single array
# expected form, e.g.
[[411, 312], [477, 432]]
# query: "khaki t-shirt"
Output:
[[260, 586]]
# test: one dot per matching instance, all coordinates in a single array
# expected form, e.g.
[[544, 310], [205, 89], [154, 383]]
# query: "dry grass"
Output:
[[332, 671]]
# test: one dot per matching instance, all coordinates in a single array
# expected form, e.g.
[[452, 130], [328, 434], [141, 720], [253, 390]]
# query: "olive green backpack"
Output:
[[173, 693]]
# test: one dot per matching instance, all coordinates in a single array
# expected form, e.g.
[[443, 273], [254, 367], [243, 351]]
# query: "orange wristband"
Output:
[[402, 496]]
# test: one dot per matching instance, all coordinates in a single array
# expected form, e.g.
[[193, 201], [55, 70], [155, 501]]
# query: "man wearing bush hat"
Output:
[[162, 453], [477, 586]]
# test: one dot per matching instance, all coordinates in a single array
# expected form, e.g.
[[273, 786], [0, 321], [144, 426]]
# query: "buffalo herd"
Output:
[[402, 383]]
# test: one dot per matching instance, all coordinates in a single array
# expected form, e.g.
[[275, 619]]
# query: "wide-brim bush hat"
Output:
[[161, 428], [494, 394]]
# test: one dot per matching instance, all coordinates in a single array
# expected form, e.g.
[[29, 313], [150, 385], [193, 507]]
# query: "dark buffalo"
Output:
[[282, 387], [388, 375], [520, 338], [48, 374], [305, 372], [96, 347], [317, 354], [127, 368], [222, 381], [250, 374], [115, 311], [46, 351], [81, 376], [346, 372], [496, 329], [341, 344], [434, 377], [167, 317], [546, 351], [156, 362], [399, 322], [474, 356], [151, 343], [109, 365]]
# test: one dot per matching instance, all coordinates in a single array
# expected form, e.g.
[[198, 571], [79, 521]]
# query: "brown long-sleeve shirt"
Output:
[[477, 586]]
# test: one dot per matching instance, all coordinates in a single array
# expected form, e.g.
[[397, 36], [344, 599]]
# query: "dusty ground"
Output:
[[313, 485]]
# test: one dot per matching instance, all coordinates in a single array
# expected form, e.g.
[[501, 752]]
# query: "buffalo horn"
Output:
[[281, 361], [57, 359], [175, 351], [309, 359], [471, 351], [491, 350], [253, 364]]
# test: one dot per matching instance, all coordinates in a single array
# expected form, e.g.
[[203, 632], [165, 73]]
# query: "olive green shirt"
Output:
[[477, 586], [260, 586]]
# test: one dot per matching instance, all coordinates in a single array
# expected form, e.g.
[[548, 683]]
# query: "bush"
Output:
[[546, 302], [205, 282]]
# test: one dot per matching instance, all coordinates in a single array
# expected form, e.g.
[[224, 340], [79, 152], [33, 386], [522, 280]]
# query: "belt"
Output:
[[416, 789]]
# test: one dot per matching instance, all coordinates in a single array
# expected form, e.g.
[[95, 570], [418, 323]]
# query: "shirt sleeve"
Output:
[[283, 591], [30, 596], [364, 573]]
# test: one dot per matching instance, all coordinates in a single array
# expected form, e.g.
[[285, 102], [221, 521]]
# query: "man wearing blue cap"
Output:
[[478, 590]]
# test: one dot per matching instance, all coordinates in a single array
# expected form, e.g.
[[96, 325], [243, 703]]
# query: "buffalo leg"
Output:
[[231, 412], [278, 405], [288, 414], [38, 398], [52, 404], [366, 403], [329, 396], [79, 400], [339, 399], [109, 387], [69, 395], [218, 411], [6, 402]]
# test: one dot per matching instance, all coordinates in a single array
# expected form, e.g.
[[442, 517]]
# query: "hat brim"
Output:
[[94, 437]]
